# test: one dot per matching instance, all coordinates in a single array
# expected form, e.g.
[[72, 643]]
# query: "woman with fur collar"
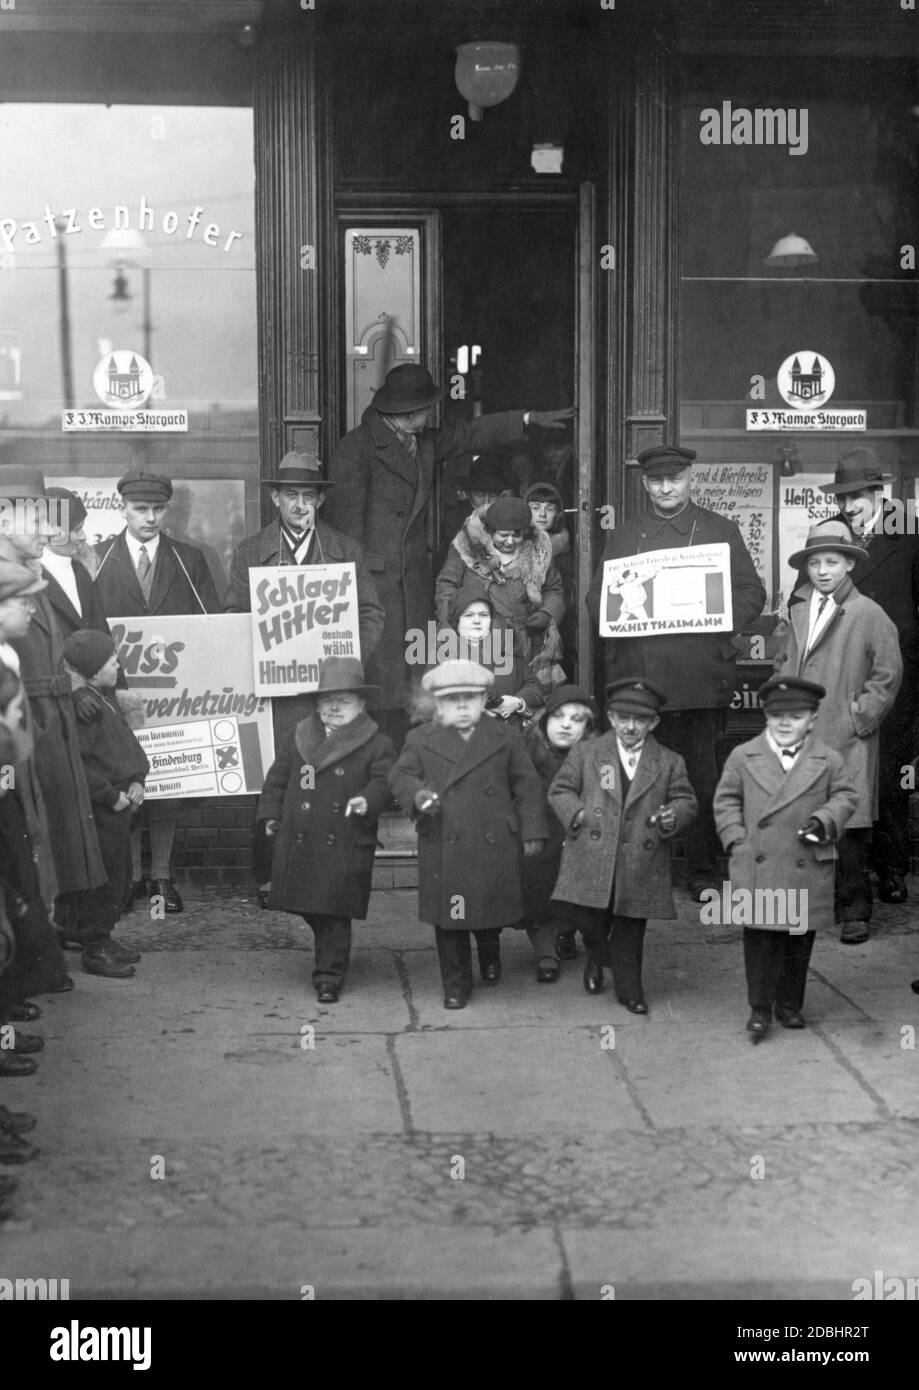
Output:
[[499, 553]]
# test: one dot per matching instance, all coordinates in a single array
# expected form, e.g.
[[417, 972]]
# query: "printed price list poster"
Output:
[[743, 492]]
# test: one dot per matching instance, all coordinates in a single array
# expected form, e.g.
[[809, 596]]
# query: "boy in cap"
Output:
[[621, 799], [116, 767], [781, 805], [846, 643], [320, 803], [143, 571], [475, 796]]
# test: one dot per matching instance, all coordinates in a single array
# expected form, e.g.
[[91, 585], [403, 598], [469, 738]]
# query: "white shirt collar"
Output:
[[630, 757], [60, 567], [786, 763], [134, 546]]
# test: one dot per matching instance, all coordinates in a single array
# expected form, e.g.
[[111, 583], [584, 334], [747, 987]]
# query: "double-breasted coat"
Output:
[[491, 800], [856, 657], [759, 809], [182, 581], [323, 859], [614, 858], [697, 670], [384, 500]]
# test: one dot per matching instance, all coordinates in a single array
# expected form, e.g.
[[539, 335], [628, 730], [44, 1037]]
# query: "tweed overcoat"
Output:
[[179, 573], [696, 671], [856, 657], [759, 808], [384, 499], [491, 800], [615, 859], [323, 859]]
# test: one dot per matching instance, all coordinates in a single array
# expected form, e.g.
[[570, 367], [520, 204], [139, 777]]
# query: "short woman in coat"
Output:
[[327, 788]]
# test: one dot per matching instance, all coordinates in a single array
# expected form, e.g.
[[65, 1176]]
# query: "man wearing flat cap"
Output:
[[695, 670], [142, 571], [387, 476], [888, 573]]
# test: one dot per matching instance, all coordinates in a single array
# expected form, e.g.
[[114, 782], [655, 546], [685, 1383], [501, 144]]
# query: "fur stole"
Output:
[[476, 548], [319, 749]]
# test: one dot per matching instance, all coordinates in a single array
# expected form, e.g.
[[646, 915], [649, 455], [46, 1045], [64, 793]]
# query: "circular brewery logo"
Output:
[[123, 379], [806, 380]]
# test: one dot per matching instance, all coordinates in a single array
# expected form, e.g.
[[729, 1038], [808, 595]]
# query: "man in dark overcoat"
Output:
[[143, 571], [71, 829], [889, 574], [387, 474], [695, 671]]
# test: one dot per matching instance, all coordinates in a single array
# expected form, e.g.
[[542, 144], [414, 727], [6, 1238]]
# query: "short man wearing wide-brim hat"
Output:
[[845, 642], [888, 573], [386, 471], [698, 671], [142, 571], [320, 804]]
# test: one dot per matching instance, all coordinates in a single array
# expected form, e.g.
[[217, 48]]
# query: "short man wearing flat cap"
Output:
[[142, 571], [888, 573], [696, 671], [387, 471]]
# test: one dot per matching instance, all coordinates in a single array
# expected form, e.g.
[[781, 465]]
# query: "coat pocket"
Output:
[[375, 563]]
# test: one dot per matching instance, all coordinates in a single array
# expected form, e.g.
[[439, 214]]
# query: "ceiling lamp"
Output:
[[790, 252], [486, 74]]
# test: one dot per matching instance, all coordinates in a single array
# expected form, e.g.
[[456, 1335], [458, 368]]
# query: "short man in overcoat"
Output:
[[888, 573], [698, 670], [621, 798], [143, 571], [387, 475]]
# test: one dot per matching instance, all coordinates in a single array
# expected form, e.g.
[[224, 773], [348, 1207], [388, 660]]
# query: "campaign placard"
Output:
[[207, 732], [661, 592], [300, 616]]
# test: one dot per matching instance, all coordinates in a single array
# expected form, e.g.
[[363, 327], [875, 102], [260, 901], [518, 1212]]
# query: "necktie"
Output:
[[144, 566], [824, 600]]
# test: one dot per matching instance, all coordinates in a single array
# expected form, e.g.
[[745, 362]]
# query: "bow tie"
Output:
[[791, 752]]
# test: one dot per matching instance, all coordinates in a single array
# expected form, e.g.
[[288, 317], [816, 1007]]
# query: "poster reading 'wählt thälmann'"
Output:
[[658, 592]]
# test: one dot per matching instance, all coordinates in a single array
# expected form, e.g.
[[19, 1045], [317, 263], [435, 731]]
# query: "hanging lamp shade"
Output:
[[791, 251], [486, 74]]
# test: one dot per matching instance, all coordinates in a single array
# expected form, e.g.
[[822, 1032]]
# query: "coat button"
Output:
[[761, 859], [598, 812], [489, 791], [596, 835], [489, 839], [400, 513], [452, 839], [330, 839], [335, 807], [304, 805], [299, 839], [799, 863], [339, 772]]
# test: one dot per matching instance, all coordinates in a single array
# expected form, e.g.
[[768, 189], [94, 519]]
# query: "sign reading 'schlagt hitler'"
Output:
[[206, 732], [661, 592], [300, 616]]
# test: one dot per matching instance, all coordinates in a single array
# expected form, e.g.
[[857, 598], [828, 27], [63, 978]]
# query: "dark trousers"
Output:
[[91, 914], [332, 947], [262, 852], [542, 939], [454, 953], [852, 893], [776, 963], [698, 736], [890, 845], [618, 942]]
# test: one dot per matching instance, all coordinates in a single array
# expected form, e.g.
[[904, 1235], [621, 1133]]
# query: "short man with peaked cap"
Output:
[[888, 573], [143, 571], [697, 670], [387, 470]]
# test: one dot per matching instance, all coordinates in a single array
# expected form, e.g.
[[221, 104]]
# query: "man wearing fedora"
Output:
[[839, 639], [71, 830], [142, 571], [387, 471], [696, 671], [888, 573]]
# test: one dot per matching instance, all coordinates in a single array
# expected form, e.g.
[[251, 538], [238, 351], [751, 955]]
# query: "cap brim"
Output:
[[855, 552], [348, 690], [859, 485]]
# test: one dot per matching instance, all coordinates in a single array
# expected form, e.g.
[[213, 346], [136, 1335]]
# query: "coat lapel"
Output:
[[393, 453], [649, 766], [782, 787], [117, 560], [319, 750], [465, 754], [57, 597]]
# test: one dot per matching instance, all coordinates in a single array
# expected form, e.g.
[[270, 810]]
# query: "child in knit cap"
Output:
[[115, 766]]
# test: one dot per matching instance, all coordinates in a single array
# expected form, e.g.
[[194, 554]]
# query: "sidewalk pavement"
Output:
[[541, 1144]]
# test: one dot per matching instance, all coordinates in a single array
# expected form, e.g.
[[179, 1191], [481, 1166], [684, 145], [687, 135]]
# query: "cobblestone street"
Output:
[[500, 1152]]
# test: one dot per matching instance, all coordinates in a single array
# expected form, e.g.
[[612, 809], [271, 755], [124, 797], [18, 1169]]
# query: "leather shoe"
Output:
[[547, 971], [789, 1018], [892, 889], [16, 1120], [853, 933], [24, 1043], [490, 971], [26, 1012], [759, 1021], [593, 978], [124, 953], [102, 960], [165, 888], [566, 945], [61, 982], [635, 1006], [698, 886], [327, 994], [15, 1150], [13, 1065], [455, 1001]]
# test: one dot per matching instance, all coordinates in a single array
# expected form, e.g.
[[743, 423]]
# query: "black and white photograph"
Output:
[[459, 663]]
